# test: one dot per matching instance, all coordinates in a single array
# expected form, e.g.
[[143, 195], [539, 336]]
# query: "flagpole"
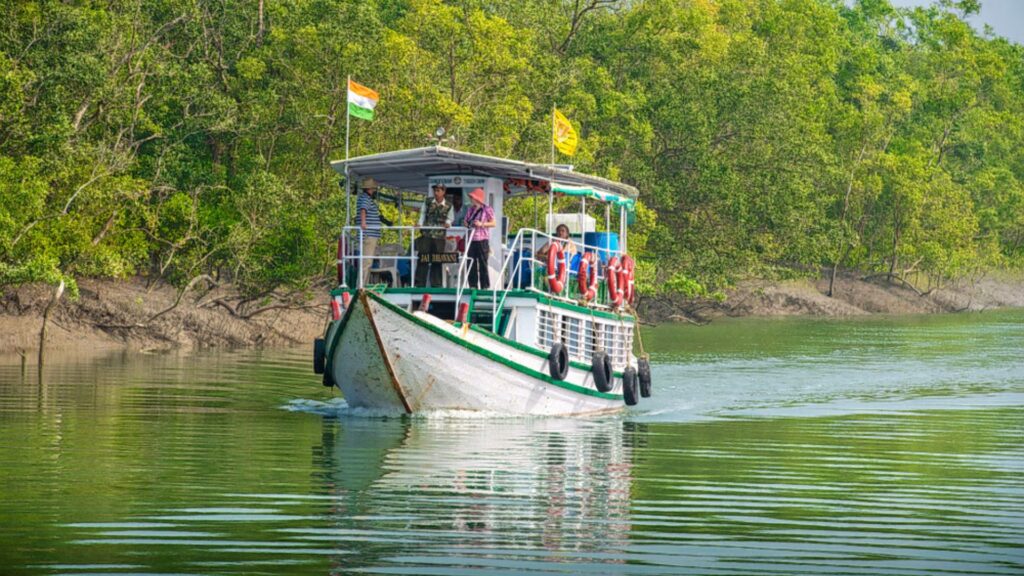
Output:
[[551, 189], [348, 118], [553, 106], [348, 185]]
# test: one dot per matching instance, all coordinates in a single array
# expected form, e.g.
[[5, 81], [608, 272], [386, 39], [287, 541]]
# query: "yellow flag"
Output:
[[564, 134]]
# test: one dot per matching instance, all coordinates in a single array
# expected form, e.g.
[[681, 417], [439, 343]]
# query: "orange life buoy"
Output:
[[586, 274], [556, 268], [626, 278], [614, 290]]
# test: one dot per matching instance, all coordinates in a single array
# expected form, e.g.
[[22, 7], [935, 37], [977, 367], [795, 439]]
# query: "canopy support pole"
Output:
[[551, 208], [622, 229], [347, 185], [536, 212]]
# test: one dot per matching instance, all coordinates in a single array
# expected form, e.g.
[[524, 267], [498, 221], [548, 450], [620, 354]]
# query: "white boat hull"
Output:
[[384, 358]]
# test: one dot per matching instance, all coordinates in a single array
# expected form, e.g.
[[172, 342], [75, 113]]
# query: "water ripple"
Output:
[[791, 447]]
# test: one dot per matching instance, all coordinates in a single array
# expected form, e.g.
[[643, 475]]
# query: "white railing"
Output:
[[509, 277], [354, 253], [531, 237]]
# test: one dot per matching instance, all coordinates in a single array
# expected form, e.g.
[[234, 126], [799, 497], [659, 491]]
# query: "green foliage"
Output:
[[175, 138]]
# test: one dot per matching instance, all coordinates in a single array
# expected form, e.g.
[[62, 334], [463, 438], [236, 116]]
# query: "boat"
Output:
[[534, 342]]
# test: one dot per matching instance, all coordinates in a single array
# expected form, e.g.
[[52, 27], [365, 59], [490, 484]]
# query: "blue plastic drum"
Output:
[[606, 242]]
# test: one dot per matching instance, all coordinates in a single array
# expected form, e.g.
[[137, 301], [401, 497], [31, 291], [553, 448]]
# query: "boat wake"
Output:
[[339, 408]]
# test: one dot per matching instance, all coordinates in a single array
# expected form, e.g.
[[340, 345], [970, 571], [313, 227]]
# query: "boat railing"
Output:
[[516, 257], [352, 252], [497, 304]]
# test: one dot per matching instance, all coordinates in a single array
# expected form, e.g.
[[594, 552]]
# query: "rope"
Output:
[[636, 330]]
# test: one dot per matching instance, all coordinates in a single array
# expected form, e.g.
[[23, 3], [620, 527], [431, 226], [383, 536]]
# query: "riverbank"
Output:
[[852, 296], [130, 314]]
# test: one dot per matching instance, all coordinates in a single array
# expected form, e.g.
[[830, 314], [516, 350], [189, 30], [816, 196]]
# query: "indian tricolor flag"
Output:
[[361, 101]]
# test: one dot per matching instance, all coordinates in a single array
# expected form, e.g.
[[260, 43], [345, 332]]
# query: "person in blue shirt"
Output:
[[369, 224]]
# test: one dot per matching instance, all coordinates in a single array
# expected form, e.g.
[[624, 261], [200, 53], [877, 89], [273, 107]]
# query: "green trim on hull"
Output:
[[530, 349], [451, 291], [572, 307], [511, 294], [337, 334], [493, 356]]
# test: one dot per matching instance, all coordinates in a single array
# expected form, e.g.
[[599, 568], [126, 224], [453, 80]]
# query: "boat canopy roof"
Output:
[[410, 170]]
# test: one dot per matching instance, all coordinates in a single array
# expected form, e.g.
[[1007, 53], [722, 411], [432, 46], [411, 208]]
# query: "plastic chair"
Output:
[[389, 265]]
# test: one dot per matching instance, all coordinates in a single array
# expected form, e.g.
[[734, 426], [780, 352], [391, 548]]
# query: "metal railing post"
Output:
[[502, 282], [362, 254], [413, 262], [462, 273]]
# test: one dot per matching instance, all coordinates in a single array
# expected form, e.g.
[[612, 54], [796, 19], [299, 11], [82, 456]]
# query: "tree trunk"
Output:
[[259, 32], [895, 257], [835, 269], [46, 317]]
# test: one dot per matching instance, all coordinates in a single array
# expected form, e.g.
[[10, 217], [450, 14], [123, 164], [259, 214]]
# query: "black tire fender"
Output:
[[329, 380], [643, 375], [558, 361], [319, 355], [601, 366], [320, 362], [629, 395]]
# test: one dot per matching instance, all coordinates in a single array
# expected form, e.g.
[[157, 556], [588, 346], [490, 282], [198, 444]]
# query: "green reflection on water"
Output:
[[794, 446]]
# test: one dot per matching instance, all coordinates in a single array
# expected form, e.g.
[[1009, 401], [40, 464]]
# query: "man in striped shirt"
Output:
[[369, 224]]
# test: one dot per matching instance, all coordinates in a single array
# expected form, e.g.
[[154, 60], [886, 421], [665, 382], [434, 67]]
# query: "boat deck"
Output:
[[526, 317]]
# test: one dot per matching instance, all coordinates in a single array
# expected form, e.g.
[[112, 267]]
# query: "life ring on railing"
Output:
[[586, 273], [612, 273], [340, 262], [626, 279], [556, 268]]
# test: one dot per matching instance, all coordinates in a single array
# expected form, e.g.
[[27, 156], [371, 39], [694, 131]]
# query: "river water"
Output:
[[794, 446]]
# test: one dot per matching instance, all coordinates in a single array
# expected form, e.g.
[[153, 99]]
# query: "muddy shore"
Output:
[[130, 314], [852, 296]]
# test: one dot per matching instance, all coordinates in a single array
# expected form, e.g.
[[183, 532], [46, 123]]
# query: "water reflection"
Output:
[[402, 496], [410, 490]]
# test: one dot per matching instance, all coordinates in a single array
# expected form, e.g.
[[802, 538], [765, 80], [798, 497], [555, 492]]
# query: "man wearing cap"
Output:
[[437, 214], [369, 224], [479, 218]]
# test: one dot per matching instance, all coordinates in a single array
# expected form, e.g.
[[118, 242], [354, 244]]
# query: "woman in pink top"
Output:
[[479, 218]]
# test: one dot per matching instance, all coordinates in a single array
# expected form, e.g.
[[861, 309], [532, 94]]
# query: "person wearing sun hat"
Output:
[[479, 218], [369, 224]]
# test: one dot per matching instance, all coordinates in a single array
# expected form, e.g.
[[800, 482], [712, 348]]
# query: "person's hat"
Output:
[[477, 195], [368, 183], [438, 185]]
